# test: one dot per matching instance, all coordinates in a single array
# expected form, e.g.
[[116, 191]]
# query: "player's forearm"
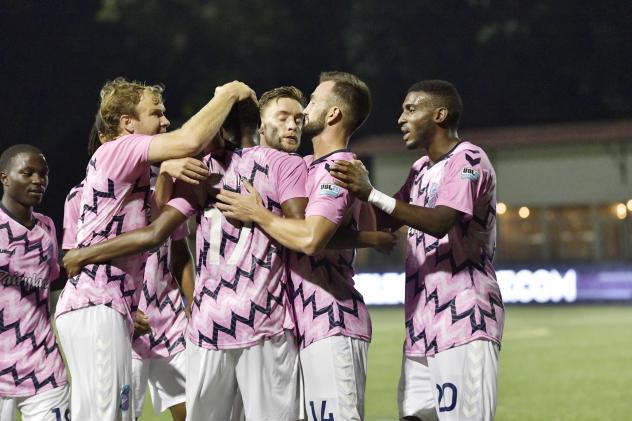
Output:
[[295, 234], [164, 189], [434, 221], [205, 124], [124, 245]]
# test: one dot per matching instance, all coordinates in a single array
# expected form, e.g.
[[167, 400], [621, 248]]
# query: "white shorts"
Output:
[[96, 342], [462, 380], [266, 376], [51, 405], [334, 378], [166, 378]]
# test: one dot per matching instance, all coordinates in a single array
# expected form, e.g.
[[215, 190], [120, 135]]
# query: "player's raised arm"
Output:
[[199, 130], [126, 244], [354, 177]]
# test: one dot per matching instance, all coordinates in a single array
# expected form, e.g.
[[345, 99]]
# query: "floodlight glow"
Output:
[[621, 211], [524, 212], [630, 205], [501, 208]]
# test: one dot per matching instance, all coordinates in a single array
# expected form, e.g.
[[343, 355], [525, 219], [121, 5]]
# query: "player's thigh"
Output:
[[98, 351], [140, 376], [415, 396], [211, 385], [51, 405], [267, 375], [167, 381], [334, 378], [465, 380]]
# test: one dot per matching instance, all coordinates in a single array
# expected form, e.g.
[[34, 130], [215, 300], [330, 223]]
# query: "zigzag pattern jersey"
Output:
[[30, 361], [71, 217], [240, 290], [325, 300], [115, 199], [452, 296], [160, 299]]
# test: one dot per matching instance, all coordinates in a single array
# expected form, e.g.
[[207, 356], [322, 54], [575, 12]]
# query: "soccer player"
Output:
[[240, 329], [333, 322], [159, 323], [32, 373], [454, 310], [95, 313]]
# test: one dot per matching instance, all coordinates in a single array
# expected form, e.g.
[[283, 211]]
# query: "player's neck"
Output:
[[326, 143], [22, 214], [442, 144]]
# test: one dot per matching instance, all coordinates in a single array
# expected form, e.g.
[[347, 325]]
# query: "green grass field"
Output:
[[556, 363]]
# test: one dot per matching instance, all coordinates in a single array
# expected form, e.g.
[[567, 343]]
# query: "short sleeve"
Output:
[[462, 178], [327, 199], [184, 199], [124, 159], [291, 177]]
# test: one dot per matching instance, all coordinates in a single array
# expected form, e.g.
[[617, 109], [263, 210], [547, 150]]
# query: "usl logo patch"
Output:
[[470, 174], [125, 397], [330, 190]]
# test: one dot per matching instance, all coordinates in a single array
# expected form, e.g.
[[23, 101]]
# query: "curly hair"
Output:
[[120, 97]]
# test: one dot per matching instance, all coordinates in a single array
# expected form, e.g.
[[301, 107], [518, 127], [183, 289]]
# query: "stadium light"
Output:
[[501, 208], [630, 205], [621, 211], [524, 212]]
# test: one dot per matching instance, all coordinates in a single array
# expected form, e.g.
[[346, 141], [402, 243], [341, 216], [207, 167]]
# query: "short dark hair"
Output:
[[243, 115], [12, 151], [444, 94], [291, 92], [354, 94]]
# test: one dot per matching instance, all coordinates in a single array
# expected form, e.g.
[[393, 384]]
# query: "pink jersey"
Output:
[[452, 296], [71, 217], [240, 296], [30, 361], [115, 199], [161, 301], [325, 300]]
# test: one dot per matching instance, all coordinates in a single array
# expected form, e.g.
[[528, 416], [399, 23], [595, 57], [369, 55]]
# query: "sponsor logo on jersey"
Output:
[[470, 174], [330, 190], [32, 280]]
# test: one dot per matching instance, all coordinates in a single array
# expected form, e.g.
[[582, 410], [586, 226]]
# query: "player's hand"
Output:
[[72, 262], [189, 170], [141, 324], [353, 176], [385, 242], [243, 207], [239, 90]]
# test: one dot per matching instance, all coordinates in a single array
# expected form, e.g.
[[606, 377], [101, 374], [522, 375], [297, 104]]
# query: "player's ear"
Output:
[[334, 115], [126, 123], [4, 178], [441, 115]]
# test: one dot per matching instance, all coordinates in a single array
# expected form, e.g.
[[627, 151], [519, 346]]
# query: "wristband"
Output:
[[382, 201]]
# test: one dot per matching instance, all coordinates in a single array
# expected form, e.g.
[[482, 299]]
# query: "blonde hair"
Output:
[[120, 97]]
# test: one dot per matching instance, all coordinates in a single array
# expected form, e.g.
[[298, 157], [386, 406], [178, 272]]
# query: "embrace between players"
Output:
[[276, 329]]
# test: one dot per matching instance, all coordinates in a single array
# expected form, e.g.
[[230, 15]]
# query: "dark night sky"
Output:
[[514, 63]]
